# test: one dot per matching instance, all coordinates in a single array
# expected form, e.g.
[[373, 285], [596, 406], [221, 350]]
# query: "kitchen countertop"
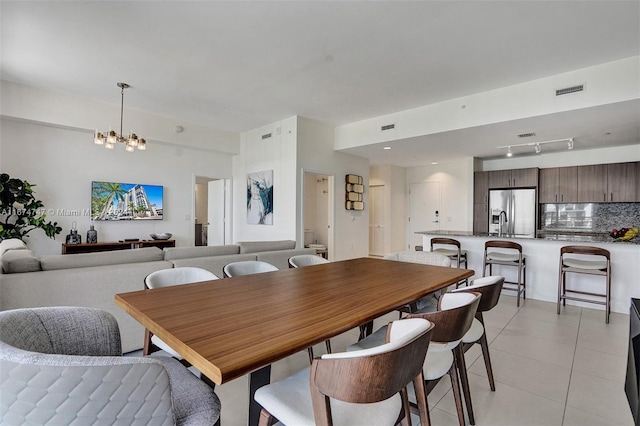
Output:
[[576, 237]]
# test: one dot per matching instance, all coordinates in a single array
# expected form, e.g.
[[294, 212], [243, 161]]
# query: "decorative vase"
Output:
[[92, 235]]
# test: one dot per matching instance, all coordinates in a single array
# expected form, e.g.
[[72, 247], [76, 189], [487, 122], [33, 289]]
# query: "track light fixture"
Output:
[[537, 146]]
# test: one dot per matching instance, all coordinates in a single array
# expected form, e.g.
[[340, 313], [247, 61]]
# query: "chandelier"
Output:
[[109, 141]]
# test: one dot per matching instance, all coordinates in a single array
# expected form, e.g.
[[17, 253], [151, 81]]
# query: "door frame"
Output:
[[330, 207], [227, 206]]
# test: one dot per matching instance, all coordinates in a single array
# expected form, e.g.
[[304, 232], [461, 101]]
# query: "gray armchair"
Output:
[[63, 365]]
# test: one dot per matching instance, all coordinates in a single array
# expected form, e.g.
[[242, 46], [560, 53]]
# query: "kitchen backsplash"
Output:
[[589, 217]]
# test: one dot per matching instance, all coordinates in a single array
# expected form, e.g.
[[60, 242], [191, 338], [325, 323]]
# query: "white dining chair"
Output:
[[366, 387], [306, 260], [247, 267], [166, 278]]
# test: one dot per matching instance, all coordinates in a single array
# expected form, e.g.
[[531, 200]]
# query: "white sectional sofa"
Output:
[[93, 279]]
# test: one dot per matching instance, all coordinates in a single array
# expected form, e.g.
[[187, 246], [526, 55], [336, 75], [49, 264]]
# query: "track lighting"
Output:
[[570, 144], [537, 148], [509, 154]]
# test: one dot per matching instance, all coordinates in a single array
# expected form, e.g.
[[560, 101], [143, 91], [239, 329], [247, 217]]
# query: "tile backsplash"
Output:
[[588, 217]]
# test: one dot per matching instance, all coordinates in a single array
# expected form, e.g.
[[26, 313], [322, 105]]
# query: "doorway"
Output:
[[211, 210], [424, 210], [377, 245], [317, 217]]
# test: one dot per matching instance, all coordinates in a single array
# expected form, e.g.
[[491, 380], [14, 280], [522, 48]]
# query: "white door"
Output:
[[376, 221], [216, 213], [424, 210]]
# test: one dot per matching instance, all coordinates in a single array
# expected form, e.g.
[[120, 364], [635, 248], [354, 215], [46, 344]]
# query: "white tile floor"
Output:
[[550, 369]]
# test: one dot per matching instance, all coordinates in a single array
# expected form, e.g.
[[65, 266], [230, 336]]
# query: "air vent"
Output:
[[526, 135], [388, 127], [267, 136], [567, 90]]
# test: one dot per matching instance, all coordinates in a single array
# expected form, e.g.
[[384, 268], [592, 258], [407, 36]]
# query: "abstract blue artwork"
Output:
[[260, 198]]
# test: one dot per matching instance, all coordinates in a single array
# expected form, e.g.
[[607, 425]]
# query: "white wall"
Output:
[[456, 180], [63, 162], [202, 203], [316, 154], [394, 180], [277, 153]]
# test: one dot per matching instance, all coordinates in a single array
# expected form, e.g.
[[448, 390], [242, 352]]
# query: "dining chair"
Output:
[[365, 387], [247, 267], [490, 289], [302, 260], [166, 278], [306, 260], [452, 321], [64, 365]]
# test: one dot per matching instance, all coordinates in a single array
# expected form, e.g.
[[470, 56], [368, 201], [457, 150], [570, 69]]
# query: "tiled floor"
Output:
[[550, 369]]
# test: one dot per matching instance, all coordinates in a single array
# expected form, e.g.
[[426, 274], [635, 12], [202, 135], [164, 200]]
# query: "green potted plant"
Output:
[[20, 211]]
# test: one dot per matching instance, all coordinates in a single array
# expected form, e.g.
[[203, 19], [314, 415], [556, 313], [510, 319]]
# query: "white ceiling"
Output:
[[238, 65]]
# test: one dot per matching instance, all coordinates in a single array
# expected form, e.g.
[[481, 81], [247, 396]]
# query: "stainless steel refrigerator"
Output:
[[512, 212]]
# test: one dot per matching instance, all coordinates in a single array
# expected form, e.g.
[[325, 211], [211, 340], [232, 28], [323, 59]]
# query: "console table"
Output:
[[115, 245]]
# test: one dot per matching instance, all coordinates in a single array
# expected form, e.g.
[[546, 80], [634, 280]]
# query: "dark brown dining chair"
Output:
[[360, 387], [585, 260], [490, 289], [510, 254], [452, 321]]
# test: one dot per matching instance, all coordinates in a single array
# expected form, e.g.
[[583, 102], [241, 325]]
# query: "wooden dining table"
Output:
[[231, 327]]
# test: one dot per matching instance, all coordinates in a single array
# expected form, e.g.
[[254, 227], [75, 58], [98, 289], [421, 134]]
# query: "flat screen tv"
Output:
[[125, 201]]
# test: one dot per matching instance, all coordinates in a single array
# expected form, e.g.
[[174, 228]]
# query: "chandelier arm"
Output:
[[121, 110]]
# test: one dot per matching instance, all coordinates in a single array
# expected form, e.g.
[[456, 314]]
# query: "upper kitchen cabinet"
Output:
[[516, 178], [616, 182], [558, 185], [622, 182], [480, 187]]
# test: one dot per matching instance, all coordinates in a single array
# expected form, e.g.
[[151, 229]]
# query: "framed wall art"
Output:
[[260, 198]]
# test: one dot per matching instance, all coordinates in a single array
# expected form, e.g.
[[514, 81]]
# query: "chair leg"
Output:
[[455, 385], [519, 284], [405, 419], [487, 360], [464, 381], [608, 297], [559, 286], [266, 419], [421, 399], [311, 356], [327, 343]]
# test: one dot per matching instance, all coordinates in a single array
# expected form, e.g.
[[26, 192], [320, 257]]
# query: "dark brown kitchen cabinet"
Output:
[[622, 182], [617, 182], [480, 218], [480, 187], [516, 178], [592, 183], [558, 185]]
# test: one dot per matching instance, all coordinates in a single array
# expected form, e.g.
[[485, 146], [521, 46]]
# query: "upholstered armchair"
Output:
[[63, 365]]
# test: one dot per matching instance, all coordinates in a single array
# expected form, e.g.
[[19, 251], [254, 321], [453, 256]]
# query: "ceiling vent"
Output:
[[267, 136], [572, 89], [526, 135], [388, 127]]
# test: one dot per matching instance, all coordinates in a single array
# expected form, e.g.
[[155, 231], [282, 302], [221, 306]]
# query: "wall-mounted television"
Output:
[[125, 201]]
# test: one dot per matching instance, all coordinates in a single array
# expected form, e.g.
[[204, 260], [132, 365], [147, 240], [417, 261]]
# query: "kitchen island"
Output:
[[543, 257]]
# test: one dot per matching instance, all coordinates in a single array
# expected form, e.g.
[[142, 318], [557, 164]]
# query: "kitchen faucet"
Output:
[[502, 219]]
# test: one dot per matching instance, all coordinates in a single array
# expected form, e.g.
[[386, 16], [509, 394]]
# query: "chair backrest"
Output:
[[176, 276], [489, 287], [454, 316], [247, 267], [502, 244], [445, 242], [371, 375], [306, 260], [585, 250], [424, 257], [61, 330]]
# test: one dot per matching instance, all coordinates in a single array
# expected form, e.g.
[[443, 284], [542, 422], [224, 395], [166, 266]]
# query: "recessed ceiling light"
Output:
[[387, 147], [434, 162]]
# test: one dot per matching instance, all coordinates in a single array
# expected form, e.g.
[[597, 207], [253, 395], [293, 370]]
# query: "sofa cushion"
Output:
[[11, 244], [15, 261], [173, 253], [256, 246], [115, 257]]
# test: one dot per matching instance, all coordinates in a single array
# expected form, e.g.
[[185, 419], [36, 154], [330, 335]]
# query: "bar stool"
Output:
[[580, 265], [509, 255], [455, 253]]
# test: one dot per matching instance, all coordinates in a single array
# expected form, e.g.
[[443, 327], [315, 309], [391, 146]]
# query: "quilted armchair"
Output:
[[63, 365]]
